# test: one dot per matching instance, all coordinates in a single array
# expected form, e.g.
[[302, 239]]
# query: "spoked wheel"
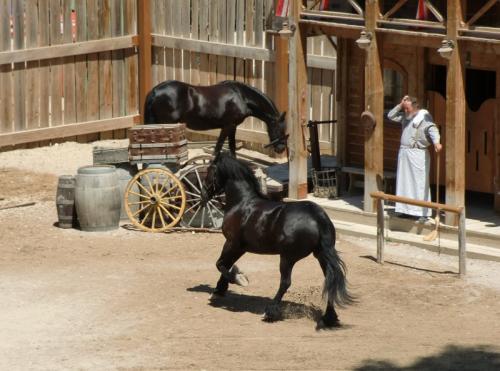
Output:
[[199, 160], [155, 200], [200, 211]]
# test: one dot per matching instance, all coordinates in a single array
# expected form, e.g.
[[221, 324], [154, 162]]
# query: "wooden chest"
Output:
[[158, 143]]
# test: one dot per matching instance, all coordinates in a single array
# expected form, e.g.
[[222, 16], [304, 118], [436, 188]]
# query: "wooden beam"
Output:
[[417, 39], [334, 29], [62, 131], [211, 47], [480, 46], [434, 11], [356, 7], [67, 50], [481, 11], [145, 61], [298, 110], [455, 115], [394, 9], [374, 102]]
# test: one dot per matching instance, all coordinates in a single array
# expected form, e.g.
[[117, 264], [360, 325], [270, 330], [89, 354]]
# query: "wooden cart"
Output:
[[169, 189]]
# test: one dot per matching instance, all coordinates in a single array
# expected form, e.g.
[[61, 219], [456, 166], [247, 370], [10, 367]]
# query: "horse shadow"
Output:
[[235, 302]]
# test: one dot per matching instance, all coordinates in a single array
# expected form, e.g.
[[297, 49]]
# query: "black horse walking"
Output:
[[252, 223], [221, 106]]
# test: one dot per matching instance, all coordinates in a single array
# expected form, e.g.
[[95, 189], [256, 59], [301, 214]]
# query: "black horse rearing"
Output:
[[221, 106], [292, 230]]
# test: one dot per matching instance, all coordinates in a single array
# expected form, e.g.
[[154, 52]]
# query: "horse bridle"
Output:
[[280, 139]]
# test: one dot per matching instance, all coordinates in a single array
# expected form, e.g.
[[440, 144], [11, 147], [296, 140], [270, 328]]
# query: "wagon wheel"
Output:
[[199, 160], [155, 200], [200, 212]]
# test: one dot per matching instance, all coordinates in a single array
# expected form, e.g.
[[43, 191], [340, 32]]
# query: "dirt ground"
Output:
[[131, 300]]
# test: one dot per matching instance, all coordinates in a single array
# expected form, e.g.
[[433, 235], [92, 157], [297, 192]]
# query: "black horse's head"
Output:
[[277, 133], [226, 168]]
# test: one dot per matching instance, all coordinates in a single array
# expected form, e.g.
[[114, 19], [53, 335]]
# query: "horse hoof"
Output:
[[272, 314], [328, 324], [241, 279]]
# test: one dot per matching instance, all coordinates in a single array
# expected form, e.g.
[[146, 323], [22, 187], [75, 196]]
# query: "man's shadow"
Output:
[[236, 302]]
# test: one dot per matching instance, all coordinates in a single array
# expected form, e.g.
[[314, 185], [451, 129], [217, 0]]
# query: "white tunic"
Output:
[[413, 159]]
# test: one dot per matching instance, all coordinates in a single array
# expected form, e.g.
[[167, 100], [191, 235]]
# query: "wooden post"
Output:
[[144, 31], [380, 230], [462, 253], [374, 102], [297, 186], [455, 115]]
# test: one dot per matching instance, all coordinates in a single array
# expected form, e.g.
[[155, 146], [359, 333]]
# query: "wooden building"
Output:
[[450, 61]]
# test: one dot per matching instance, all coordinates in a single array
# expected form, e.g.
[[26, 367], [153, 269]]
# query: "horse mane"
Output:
[[254, 90], [233, 169]]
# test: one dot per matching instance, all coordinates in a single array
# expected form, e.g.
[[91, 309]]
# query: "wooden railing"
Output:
[[380, 197]]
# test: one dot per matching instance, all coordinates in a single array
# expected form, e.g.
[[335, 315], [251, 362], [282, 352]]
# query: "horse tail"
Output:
[[335, 288], [149, 117]]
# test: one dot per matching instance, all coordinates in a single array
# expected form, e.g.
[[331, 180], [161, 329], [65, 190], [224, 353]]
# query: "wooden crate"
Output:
[[158, 143]]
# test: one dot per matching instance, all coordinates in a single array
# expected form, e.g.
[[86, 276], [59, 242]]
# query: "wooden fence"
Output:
[[69, 68]]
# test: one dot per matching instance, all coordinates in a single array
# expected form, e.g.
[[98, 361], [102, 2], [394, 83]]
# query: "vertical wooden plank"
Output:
[[158, 53], [258, 64], [269, 83], [281, 74], [177, 31], [32, 73], [131, 59], [240, 39], [249, 41], [185, 32], [118, 64], [5, 70], [144, 31], [44, 71], [19, 76], [455, 116], [105, 68], [81, 68], [203, 35], [195, 34], [56, 70], [92, 92], [222, 38], [169, 52], [297, 187], [69, 67], [212, 28], [230, 37], [374, 102]]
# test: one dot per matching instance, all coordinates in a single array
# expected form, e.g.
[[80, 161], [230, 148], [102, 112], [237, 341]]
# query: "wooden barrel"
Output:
[[65, 202], [97, 198]]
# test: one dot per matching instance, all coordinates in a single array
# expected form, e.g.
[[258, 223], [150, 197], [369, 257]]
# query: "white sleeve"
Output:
[[396, 114]]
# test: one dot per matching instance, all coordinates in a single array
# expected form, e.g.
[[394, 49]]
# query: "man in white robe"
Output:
[[418, 133]]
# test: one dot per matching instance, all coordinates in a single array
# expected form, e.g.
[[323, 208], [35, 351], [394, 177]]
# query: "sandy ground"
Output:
[[130, 300]]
